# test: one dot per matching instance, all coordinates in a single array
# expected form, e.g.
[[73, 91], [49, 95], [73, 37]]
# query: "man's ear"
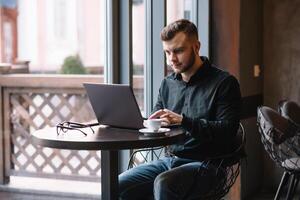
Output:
[[197, 47]]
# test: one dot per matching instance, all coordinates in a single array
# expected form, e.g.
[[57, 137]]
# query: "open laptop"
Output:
[[114, 105]]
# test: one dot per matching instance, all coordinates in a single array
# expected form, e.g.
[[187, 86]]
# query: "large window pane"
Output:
[[138, 50], [178, 9], [62, 36]]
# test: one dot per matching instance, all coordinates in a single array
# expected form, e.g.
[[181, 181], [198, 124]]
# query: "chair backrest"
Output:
[[274, 127], [238, 152], [290, 110], [230, 166], [140, 156], [228, 163], [279, 136]]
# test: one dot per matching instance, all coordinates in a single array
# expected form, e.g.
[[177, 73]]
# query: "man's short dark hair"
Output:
[[182, 25]]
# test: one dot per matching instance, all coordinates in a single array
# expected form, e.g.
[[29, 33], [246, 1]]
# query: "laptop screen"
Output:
[[114, 105]]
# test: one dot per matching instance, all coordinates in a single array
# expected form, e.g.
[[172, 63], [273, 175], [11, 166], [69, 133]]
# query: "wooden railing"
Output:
[[31, 102]]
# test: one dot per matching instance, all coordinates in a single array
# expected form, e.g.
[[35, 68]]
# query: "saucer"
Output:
[[160, 132]]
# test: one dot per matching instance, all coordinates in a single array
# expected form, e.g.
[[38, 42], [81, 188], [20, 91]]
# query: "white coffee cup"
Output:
[[153, 124]]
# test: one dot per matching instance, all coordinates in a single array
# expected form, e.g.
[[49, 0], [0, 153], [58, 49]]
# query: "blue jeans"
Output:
[[168, 178]]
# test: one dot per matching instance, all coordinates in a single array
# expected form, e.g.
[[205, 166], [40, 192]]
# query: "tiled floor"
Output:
[[27, 196], [24, 196], [22, 188]]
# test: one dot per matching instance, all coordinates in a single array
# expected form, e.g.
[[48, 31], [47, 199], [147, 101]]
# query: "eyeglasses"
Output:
[[63, 127]]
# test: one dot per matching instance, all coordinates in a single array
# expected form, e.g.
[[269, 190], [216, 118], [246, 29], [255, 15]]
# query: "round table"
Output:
[[109, 140]]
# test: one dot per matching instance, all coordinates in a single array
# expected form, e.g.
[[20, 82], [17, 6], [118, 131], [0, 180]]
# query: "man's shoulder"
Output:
[[226, 80], [219, 73], [221, 77], [213, 69]]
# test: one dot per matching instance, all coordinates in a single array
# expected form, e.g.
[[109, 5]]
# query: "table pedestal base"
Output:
[[109, 175]]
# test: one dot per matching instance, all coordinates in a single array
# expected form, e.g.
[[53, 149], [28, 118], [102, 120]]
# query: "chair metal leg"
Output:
[[284, 179], [297, 181], [291, 186], [293, 190]]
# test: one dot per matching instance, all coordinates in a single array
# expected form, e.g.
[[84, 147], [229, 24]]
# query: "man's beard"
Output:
[[187, 66]]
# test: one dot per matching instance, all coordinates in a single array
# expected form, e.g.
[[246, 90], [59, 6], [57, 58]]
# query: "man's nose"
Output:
[[173, 57]]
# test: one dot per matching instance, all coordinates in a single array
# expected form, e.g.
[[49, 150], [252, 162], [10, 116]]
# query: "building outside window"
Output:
[[59, 29], [138, 50], [178, 9]]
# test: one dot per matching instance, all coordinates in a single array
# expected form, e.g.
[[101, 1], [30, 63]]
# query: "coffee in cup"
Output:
[[153, 124]]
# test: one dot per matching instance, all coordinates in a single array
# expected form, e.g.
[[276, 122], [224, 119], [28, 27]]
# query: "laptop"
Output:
[[114, 105]]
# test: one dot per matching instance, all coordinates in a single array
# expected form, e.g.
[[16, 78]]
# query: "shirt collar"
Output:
[[199, 73]]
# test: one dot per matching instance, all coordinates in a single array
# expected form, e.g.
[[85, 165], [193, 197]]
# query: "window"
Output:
[[178, 9], [59, 22], [49, 31], [60, 32], [138, 50], [195, 11]]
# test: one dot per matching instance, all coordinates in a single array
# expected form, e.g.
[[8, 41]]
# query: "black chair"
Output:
[[229, 164], [280, 138]]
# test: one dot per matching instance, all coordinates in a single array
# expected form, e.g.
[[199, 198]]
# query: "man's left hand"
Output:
[[167, 116]]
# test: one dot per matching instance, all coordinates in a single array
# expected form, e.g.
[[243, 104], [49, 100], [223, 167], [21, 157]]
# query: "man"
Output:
[[205, 101]]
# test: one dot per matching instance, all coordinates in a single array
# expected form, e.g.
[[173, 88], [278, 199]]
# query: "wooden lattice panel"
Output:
[[34, 109]]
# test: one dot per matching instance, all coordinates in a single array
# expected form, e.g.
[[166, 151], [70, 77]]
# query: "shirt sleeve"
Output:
[[226, 112]]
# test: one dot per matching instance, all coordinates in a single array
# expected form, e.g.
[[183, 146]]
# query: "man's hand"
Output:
[[167, 116]]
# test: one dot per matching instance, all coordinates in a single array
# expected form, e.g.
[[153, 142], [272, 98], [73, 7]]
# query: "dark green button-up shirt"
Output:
[[210, 104]]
